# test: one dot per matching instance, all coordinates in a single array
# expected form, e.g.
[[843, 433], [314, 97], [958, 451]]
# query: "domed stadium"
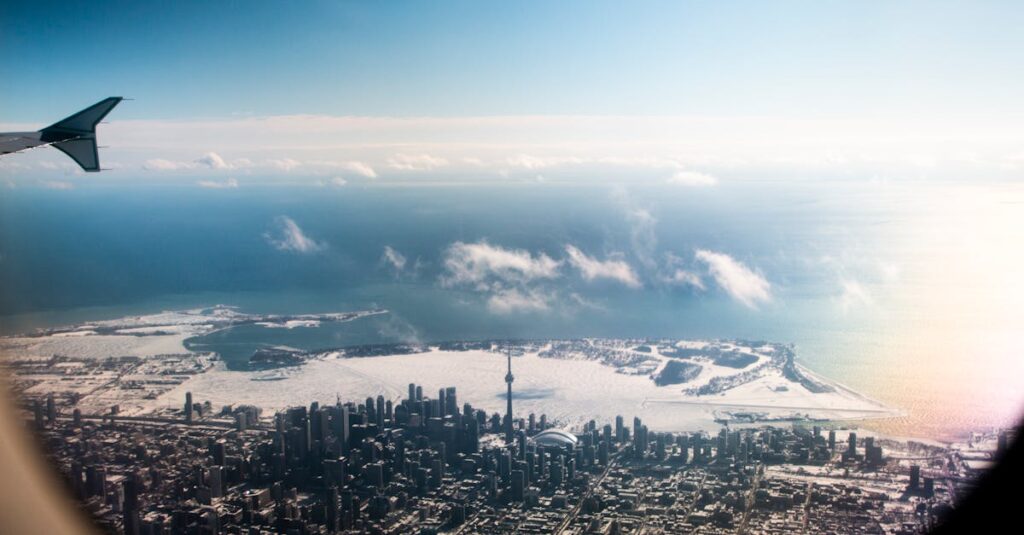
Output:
[[555, 437]]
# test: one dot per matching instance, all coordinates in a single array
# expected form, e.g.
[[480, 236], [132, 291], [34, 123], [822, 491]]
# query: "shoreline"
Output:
[[184, 326]]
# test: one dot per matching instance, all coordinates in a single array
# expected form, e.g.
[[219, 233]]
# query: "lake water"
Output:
[[909, 292]]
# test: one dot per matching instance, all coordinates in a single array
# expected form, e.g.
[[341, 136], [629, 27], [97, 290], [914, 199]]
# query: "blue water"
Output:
[[114, 249]]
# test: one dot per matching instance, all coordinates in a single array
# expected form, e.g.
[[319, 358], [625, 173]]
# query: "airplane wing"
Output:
[[74, 136]]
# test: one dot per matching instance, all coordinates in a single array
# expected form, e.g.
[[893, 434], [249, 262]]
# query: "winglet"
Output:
[[86, 120], [76, 135]]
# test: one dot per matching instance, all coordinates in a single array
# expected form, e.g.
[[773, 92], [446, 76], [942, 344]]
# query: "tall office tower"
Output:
[[504, 464], [508, 379], [51, 408], [832, 439], [555, 474], [851, 447], [734, 443], [915, 476], [188, 407], [442, 402], [473, 437], [343, 427], [380, 412], [619, 426], [412, 392], [518, 485], [451, 400], [216, 480], [130, 505], [333, 510]]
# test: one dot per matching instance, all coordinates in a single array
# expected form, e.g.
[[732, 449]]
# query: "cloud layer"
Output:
[[687, 151]]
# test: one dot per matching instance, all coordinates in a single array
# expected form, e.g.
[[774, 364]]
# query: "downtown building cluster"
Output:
[[429, 465]]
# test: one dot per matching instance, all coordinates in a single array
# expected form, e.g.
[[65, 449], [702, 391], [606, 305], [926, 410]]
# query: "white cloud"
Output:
[[682, 277], [739, 281], [213, 161], [287, 236], [58, 184], [890, 272], [853, 294], [675, 273], [210, 160], [230, 183], [509, 301], [160, 164], [338, 181], [361, 169], [532, 163], [692, 178], [583, 302], [482, 265], [641, 227], [284, 164], [416, 162], [393, 258], [509, 277], [592, 269]]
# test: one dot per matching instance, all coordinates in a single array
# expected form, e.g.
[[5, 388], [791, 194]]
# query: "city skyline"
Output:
[[782, 239]]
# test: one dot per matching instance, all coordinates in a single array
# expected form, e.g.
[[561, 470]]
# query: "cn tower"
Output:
[[509, 379]]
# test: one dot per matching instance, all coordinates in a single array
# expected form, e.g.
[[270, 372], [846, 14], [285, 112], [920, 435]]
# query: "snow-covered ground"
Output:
[[97, 346], [569, 391], [571, 381], [153, 334]]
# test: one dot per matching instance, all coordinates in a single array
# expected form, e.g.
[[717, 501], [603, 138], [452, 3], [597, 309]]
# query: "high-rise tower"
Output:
[[508, 380]]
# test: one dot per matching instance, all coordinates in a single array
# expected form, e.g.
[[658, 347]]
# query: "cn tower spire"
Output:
[[508, 379]]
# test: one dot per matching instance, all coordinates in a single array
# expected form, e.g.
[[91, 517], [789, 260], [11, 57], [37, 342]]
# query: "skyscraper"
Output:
[[509, 379]]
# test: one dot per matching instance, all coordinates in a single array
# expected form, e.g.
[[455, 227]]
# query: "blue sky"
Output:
[[426, 92], [215, 59]]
